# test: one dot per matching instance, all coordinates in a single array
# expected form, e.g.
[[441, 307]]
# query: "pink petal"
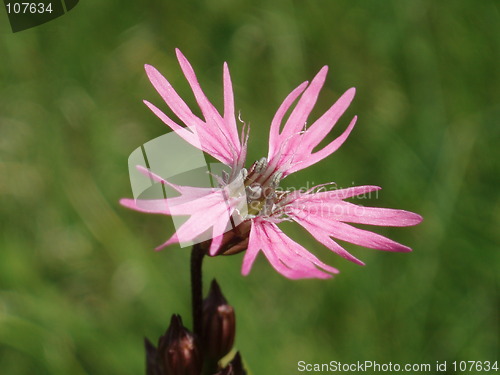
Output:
[[216, 135], [297, 120], [252, 251], [211, 211], [164, 206], [283, 148], [323, 215], [193, 136], [226, 130], [328, 205], [195, 229], [322, 126], [292, 149], [189, 136], [302, 145], [365, 238], [207, 208], [230, 121], [345, 232], [215, 243], [150, 206], [274, 138], [320, 195], [352, 213], [186, 191], [286, 256], [323, 237], [324, 152], [348, 192], [219, 228], [170, 96]]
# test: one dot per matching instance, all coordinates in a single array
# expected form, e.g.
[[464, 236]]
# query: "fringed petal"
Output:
[[285, 255], [292, 149], [216, 135]]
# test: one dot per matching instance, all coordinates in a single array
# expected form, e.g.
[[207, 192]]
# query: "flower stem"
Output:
[[197, 254]]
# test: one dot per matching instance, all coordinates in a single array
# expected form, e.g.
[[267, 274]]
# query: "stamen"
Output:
[[254, 192], [244, 173], [264, 198], [260, 165], [276, 180]]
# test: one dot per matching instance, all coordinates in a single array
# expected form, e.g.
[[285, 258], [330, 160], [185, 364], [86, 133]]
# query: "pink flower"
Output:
[[253, 198]]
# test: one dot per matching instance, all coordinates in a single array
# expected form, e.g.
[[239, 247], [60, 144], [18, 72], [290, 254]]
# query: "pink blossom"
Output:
[[253, 196]]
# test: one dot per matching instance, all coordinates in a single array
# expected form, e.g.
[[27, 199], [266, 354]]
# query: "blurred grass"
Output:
[[79, 283]]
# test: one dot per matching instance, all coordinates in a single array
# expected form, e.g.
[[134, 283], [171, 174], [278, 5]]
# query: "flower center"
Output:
[[261, 189]]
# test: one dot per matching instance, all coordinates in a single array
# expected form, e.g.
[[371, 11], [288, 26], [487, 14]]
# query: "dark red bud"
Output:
[[219, 324], [179, 350], [153, 364]]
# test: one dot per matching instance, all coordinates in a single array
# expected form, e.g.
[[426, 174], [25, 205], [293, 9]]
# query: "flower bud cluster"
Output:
[[219, 324], [178, 352], [181, 352]]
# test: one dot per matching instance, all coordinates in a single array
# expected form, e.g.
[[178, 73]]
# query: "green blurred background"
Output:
[[80, 284]]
